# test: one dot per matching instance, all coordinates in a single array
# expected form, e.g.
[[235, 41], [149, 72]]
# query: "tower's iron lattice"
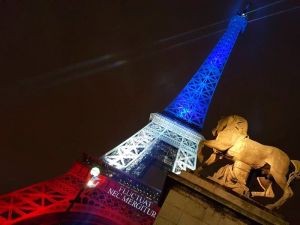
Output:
[[176, 124]]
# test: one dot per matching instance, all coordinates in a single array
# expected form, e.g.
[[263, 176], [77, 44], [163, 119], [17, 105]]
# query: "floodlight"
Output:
[[95, 171]]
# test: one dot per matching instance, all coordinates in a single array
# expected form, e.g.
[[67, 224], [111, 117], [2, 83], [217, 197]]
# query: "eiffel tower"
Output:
[[171, 138], [126, 192]]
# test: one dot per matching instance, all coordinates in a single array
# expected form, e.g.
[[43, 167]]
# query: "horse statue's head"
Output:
[[232, 122]]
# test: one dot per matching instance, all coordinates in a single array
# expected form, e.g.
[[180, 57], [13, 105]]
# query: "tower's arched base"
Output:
[[66, 200]]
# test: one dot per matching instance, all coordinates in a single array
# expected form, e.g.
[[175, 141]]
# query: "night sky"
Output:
[[83, 76]]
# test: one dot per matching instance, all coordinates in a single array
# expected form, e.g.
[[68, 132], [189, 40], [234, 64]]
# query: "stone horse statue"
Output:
[[233, 142]]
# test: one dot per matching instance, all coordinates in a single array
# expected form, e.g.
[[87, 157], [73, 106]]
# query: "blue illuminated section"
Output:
[[191, 105]]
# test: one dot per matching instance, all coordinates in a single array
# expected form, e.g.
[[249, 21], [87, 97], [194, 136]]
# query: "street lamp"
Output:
[[94, 180], [91, 183]]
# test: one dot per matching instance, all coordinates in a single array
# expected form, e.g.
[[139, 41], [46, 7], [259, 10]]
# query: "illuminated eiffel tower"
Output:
[[171, 138], [125, 193]]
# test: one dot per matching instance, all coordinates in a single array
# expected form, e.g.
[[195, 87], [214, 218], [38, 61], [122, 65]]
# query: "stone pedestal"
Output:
[[190, 200]]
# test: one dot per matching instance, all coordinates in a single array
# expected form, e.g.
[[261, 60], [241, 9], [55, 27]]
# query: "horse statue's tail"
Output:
[[296, 173]]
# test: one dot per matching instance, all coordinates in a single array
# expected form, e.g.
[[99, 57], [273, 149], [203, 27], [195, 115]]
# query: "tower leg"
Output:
[[132, 152]]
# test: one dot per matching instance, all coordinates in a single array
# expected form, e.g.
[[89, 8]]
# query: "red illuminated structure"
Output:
[[48, 203]]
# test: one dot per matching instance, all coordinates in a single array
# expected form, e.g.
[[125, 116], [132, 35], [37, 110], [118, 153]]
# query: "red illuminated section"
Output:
[[110, 202]]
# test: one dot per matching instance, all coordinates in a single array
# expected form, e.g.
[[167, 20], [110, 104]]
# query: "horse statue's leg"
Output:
[[285, 184], [266, 185], [212, 158], [281, 180], [200, 159], [200, 155], [296, 173]]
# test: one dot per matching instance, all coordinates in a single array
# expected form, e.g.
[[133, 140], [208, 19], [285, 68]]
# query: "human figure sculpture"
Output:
[[233, 142]]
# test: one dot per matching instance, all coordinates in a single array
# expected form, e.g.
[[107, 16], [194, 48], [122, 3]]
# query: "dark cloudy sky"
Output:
[[82, 76]]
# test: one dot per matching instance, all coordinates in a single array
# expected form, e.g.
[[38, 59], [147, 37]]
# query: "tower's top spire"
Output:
[[191, 105]]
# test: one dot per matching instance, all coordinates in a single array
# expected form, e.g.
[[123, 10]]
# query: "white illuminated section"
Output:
[[95, 171], [93, 181], [162, 128]]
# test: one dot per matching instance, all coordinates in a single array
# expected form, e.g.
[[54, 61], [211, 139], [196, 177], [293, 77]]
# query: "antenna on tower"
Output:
[[245, 9]]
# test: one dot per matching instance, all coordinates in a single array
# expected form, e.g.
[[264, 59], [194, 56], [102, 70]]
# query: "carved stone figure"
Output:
[[233, 142]]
